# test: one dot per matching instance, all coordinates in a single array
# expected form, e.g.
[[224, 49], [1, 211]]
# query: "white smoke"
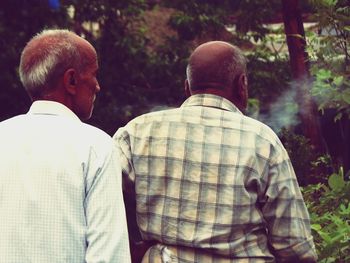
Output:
[[282, 113]]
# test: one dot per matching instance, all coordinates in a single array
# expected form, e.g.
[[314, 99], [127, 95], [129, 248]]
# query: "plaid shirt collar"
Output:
[[210, 100]]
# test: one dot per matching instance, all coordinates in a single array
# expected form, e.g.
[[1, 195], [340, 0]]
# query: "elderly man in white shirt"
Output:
[[60, 181]]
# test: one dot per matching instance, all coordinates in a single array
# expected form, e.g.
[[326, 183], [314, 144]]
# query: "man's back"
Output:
[[203, 181], [53, 171]]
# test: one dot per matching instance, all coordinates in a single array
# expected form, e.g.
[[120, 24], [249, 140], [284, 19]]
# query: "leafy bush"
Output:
[[330, 55], [309, 166], [329, 209]]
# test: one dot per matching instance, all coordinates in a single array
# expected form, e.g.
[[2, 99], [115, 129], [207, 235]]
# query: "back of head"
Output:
[[46, 57], [214, 64]]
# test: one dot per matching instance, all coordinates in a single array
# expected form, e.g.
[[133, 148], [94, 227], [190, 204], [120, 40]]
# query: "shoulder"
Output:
[[265, 141], [94, 137], [11, 121], [94, 132], [261, 129], [146, 120], [154, 116], [12, 124]]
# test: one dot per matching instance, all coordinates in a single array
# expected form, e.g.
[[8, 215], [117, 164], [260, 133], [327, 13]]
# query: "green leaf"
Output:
[[324, 74], [316, 227], [338, 80], [336, 182], [330, 3], [325, 236], [344, 210], [346, 96]]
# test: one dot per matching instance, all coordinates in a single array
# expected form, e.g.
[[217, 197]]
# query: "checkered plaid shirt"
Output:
[[215, 184]]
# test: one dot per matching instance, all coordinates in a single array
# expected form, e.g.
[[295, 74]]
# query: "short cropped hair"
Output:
[[223, 70], [46, 57]]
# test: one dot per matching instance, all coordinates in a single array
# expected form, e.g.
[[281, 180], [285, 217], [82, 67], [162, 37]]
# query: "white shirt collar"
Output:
[[46, 107]]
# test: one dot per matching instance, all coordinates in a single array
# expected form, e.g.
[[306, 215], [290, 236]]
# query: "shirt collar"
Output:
[[46, 107], [210, 100]]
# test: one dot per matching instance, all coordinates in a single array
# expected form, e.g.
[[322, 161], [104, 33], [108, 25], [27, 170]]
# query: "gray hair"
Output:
[[45, 58], [223, 70]]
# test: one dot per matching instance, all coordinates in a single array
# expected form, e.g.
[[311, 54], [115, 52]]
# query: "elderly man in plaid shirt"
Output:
[[211, 184]]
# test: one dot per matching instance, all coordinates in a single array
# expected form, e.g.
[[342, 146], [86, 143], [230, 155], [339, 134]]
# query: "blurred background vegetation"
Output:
[[143, 46]]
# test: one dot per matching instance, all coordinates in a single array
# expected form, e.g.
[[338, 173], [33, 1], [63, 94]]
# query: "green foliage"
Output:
[[329, 50], [268, 70], [195, 18], [308, 165], [329, 208], [210, 17], [332, 91], [300, 151]]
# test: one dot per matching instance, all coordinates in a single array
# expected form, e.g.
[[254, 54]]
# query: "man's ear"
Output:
[[240, 91], [187, 89], [69, 81], [243, 90], [244, 80]]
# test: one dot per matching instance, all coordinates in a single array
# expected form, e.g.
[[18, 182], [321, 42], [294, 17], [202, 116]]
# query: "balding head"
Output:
[[47, 56], [216, 65]]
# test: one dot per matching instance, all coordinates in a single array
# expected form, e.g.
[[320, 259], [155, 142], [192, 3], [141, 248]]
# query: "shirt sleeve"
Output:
[[122, 142], [107, 233], [286, 215]]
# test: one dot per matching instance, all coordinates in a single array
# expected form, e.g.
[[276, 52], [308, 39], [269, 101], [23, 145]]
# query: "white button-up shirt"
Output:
[[60, 190]]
